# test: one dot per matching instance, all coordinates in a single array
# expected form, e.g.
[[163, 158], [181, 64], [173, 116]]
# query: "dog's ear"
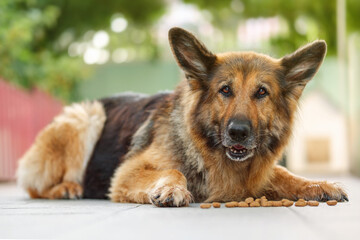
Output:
[[191, 55], [301, 66]]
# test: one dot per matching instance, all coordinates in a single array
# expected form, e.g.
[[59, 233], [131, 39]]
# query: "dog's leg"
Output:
[[138, 180], [54, 166], [286, 185]]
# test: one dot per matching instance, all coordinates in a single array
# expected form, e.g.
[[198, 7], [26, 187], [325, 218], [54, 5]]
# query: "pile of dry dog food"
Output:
[[263, 202]]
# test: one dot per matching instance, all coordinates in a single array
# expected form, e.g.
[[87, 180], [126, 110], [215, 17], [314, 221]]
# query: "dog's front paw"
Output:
[[324, 191], [170, 196], [66, 190]]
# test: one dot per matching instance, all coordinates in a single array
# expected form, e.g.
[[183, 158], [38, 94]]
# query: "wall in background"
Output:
[[22, 115], [354, 102], [143, 77]]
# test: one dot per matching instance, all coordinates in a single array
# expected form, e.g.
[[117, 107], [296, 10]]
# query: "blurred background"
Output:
[[54, 52]]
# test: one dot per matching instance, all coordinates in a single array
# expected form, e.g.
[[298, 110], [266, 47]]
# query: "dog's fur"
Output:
[[217, 137]]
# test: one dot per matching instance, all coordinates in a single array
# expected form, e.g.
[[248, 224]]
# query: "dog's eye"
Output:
[[226, 91], [262, 92]]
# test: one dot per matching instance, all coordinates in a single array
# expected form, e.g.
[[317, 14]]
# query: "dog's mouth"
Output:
[[239, 153]]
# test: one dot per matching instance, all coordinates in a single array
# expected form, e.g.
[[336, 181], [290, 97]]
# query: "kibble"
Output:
[[287, 203], [301, 203], [243, 204], [254, 204], [231, 204], [263, 202], [216, 204], [331, 202], [268, 204], [277, 204], [313, 203], [205, 205]]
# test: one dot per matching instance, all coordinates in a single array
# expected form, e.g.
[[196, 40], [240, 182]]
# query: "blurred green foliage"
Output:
[[22, 27], [35, 35], [31, 53], [78, 16], [318, 15]]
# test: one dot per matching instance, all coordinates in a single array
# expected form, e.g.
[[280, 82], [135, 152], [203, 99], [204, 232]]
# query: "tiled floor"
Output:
[[21, 217]]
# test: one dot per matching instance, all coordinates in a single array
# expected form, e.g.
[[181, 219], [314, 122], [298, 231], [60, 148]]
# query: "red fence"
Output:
[[22, 115]]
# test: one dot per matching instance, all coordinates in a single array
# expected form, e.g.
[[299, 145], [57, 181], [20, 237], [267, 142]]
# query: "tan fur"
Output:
[[138, 178], [224, 181], [287, 185], [179, 154], [142, 177], [54, 166]]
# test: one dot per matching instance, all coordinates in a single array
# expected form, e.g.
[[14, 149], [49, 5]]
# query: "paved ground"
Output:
[[21, 217]]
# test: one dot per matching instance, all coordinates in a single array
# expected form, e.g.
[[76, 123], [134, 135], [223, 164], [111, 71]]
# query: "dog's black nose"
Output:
[[239, 130]]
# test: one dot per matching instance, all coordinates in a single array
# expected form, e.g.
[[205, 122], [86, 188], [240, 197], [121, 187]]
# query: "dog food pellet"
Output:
[[277, 203], [300, 203], [243, 204], [205, 205], [287, 203], [231, 204], [216, 204], [331, 202], [263, 202], [268, 204], [313, 203], [254, 204]]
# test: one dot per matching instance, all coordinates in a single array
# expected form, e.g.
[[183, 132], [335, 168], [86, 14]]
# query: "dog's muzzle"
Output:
[[239, 140]]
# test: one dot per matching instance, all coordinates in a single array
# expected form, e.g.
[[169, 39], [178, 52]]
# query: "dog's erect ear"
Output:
[[301, 66], [191, 55]]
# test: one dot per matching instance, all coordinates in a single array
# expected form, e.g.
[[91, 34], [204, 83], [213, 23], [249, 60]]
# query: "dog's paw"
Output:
[[170, 196], [66, 190], [324, 191]]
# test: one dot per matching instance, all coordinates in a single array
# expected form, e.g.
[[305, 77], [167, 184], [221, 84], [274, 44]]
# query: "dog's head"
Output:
[[247, 100]]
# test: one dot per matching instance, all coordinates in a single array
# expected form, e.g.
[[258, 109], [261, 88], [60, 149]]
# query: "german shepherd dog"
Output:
[[217, 137]]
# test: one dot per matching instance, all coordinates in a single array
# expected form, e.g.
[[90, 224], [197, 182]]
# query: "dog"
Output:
[[217, 137]]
